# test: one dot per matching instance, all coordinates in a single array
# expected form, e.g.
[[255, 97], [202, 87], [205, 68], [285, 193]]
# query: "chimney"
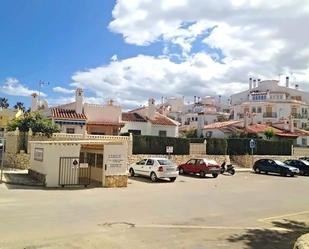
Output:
[[220, 99], [79, 100], [194, 99], [254, 84], [258, 82], [151, 108], [246, 120], [34, 102], [250, 83], [291, 124], [296, 86], [287, 81]]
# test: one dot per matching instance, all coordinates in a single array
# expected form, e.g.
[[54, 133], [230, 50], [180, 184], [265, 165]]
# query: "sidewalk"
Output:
[[243, 170]]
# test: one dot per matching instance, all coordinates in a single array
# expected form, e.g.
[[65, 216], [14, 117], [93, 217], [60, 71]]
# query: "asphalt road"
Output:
[[241, 211]]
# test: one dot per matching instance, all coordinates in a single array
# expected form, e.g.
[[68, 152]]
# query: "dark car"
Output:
[[274, 166], [302, 165], [200, 166]]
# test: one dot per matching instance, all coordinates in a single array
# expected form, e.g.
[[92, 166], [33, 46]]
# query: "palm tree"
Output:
[[4, 103], [20, 106]]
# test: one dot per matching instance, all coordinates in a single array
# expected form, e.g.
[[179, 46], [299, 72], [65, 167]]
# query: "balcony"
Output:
[[300, 115], [270, 115]]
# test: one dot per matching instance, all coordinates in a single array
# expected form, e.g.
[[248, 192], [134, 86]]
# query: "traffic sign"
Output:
[[169, 149], [252, 144]]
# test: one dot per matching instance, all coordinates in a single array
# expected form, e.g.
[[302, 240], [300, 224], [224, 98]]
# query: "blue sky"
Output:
[[132, 50], [50, 40]]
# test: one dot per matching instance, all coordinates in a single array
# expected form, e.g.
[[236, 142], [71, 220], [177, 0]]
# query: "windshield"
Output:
[[165, 162], [305, 162], [280, 163]]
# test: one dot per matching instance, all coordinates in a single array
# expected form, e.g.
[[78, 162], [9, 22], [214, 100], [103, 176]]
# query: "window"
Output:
[[259, 110], [304, 141], [150, 162], [208, 133], [253, 109], [192, 161], [142, 162], [162, 133], [165, 162], [91, 159], [70, 130], [99, 161], [135, 132]]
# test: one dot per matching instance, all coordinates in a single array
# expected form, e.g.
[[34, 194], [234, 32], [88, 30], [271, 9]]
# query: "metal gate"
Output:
[[71, 172]]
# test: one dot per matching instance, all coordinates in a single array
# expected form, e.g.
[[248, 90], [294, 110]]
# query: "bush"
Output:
[[196, 140], [157, 145]]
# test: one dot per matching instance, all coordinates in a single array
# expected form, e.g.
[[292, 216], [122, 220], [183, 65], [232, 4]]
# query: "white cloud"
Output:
[[59, 89], [13, 87], [239, 38]]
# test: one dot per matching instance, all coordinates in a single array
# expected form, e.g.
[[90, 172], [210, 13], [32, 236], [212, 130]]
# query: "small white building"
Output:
[[147, 121]]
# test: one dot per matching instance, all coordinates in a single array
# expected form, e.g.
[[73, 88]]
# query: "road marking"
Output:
[[282, 216], [210, 227]]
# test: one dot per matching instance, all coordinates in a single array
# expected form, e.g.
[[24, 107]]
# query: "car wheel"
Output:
[[181, 171], [257, 170], [202, 174], [172, 179], [214, 175], [153, 177], [132, 173], [292, 174]]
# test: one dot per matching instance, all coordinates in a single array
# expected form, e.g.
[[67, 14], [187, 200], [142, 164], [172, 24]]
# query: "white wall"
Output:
[[102, 113], [142, 126], [171, 131], [216, 133], [50, 164], [78, 129]]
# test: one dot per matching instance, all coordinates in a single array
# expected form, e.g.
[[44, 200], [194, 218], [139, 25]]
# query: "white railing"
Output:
[[90, 137]]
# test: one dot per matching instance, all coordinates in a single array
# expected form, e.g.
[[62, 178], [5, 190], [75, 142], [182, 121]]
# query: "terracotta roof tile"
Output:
[[67, 114], [259, 128], [159, 119], [219, 125], [132, 117]]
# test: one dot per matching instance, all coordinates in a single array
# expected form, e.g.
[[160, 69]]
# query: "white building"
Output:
[[79, 117], [204, 110], [267, 102], [147, 121]]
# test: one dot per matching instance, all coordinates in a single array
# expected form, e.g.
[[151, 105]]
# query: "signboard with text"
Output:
[[169, 149], [38, 154], [115, 159]]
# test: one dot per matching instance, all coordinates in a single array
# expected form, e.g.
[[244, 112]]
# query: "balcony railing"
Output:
[[300, 115], [269, 115]]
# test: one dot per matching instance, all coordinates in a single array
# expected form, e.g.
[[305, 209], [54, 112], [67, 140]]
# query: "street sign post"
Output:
[[2, 149], [252, 145], [169, 150]]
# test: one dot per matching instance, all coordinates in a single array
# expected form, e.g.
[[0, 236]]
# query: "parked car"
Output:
[[200, 166], [274, 166], [302, 165], [155, 168], [304, 158]]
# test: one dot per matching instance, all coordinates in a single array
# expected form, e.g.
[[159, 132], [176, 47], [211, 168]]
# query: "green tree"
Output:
[[20, 106], [36, 122], [269, 133], [4, 103]]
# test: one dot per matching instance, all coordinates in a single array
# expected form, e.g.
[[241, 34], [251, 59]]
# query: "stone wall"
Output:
[[19, 161], [302, 242], [179, 159], [300, 151], [119, 181], [247, 161], [38, 176]]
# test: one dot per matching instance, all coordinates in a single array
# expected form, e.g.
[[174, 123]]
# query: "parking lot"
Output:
[[242, 211]]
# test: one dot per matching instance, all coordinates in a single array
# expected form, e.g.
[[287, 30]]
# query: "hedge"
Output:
[[157, 145], [197, 140], [240, 146]]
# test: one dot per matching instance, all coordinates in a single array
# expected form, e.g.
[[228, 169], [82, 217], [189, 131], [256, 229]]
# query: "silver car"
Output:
[[155, 168]]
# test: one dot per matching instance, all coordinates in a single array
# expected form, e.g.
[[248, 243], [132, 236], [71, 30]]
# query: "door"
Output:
[[150, 166], [139, 166], [199, 166], [274, 167], [190, 166], [70, 172]]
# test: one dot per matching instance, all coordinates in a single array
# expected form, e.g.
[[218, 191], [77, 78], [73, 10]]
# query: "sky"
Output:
[[133, 50]]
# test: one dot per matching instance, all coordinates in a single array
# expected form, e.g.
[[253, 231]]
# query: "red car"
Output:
[[200, 166]]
